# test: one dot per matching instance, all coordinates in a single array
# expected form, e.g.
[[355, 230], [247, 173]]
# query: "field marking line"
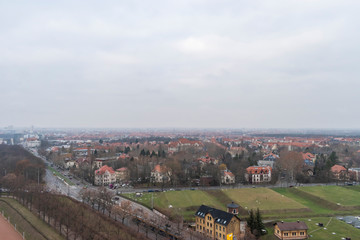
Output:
[[329, 222]]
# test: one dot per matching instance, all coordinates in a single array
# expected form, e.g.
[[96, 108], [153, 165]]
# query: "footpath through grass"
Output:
[[57, 173], [34, 231]]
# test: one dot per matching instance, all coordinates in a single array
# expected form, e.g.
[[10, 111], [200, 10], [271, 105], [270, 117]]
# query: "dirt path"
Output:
[[7, 231]]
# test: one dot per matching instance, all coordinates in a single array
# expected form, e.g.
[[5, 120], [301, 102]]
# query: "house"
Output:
[[339, 172], [105, 176], [227, 177], [290, 230], [69, 163], [257, 174], [99, 162], [265, 163], [208, 160], [183, 144], [217, 224], [354, 174], [122, 174], [271, 157], [237, 151], [309, 159], [160, 174]]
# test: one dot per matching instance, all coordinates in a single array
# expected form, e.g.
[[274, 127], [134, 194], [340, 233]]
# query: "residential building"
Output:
[[257, 174], [227, 177], [309, 159], [183, 144], [354, 174], [160, 174], [265, 163], [99, 162], [339, 172], [217, 224], [290, 230], [105, 176], [122, 174]]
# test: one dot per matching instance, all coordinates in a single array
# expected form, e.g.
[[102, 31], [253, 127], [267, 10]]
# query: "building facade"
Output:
[[217, 224], [290, 230], [105, 176], [257, 174]]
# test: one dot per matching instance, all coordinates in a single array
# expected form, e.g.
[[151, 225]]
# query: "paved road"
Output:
[[55, 183]]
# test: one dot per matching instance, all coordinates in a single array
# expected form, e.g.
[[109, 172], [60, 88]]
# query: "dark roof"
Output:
[[289, 226], [220, 217], [232, 205]]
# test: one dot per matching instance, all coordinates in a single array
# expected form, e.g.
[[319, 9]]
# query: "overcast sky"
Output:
[[196, 63]]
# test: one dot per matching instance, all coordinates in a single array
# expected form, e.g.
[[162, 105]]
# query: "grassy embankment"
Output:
[[34, 228]]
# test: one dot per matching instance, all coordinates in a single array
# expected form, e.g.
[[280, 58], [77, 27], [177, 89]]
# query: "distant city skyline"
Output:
[[180, 64]]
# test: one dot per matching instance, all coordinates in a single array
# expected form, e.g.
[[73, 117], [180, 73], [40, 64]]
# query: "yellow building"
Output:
[[291, 230], [217, 224]]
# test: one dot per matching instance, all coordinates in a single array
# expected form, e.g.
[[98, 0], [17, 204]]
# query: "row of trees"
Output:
[[71, 218]]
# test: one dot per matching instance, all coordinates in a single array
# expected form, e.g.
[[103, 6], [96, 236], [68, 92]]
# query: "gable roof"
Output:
[[220, 217], [290, 226], [104, 169], [258, 170], [337, 168]]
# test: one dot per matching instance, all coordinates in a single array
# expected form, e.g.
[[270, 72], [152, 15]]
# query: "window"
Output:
[[234, 211], [210, 224], [277, 231], [210, 231], [302, 233], [293, 234], [223, 229], [207, 223], [219, 234], [286, 234], [216, 227]]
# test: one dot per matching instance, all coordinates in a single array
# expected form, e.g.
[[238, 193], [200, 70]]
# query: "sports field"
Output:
[[276, 202], [262, 198], [188, 201], [7, 231], [336, 194]]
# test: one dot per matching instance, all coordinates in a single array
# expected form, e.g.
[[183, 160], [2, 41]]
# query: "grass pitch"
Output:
[[335, 194]]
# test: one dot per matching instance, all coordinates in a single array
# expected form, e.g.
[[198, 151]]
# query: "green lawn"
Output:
[[57, 173], [186, 201], [262, 198], [274, 203], [341, 229], [335, 194]]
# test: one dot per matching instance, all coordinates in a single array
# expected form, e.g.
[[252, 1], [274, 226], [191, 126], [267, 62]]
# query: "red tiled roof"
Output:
[[228, 173], [257, 170], [123, 169], [103, 169], [337, 168]]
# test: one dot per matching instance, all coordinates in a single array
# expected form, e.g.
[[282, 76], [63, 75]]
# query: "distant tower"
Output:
[[233, 208]]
